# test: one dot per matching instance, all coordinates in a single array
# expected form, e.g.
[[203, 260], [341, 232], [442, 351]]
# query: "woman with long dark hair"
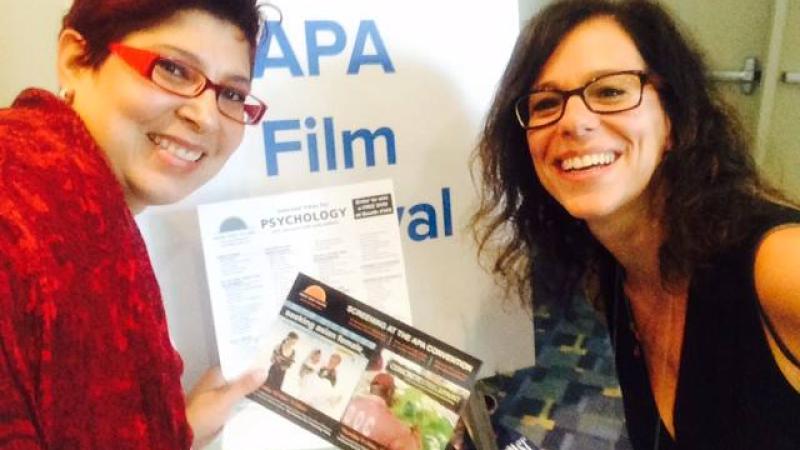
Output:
[[608, 154]]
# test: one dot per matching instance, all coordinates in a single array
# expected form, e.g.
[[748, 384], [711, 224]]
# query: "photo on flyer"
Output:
[[397, 402]]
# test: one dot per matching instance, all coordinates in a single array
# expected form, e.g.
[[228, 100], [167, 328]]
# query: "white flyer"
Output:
[[346, 236]]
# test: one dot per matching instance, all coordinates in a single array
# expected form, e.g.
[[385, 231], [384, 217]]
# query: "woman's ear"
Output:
[[70, 59]]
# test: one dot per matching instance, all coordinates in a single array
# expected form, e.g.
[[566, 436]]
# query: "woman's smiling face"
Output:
[[598, 166], [162, 146]]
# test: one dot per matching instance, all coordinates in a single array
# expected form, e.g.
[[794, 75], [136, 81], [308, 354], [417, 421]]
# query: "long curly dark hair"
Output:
[[709, 181]]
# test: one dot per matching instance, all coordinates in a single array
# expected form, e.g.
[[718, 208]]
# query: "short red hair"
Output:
[[102, 22]]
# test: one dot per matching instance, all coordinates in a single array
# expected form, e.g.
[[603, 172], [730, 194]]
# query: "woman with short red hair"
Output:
[[155, 95]]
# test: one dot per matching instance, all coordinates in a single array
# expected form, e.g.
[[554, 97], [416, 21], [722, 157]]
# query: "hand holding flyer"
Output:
[[355, 374]]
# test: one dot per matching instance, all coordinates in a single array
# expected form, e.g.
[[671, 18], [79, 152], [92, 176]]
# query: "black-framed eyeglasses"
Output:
[[186, 81], [607, 94]]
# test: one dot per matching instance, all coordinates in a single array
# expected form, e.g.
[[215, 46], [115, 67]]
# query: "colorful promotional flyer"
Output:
[[358, 377]]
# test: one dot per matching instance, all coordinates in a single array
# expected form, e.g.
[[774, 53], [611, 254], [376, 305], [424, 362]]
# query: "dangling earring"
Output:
[[68, 95]]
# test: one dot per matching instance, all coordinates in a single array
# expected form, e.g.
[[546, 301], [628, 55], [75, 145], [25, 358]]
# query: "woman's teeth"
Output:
[[176, 150], [587, 161]]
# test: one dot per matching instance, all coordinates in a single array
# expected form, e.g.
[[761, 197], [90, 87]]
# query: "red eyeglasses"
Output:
[[181, 79]]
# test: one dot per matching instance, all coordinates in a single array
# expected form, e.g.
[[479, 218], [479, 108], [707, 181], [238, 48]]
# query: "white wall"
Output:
[[528, 8], [28, 35]]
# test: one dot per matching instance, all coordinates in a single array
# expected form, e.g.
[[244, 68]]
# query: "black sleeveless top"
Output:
[[731, 394]]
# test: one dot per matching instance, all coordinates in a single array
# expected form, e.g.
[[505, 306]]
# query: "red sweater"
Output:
[[85, 358]]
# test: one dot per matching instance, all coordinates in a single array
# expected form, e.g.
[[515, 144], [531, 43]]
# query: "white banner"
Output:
[[363, 90]]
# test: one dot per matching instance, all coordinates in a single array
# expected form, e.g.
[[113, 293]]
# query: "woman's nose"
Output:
[[578, 119], [202, 111]]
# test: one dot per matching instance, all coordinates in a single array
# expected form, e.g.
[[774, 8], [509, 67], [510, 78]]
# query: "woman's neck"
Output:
[[634, 239]]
